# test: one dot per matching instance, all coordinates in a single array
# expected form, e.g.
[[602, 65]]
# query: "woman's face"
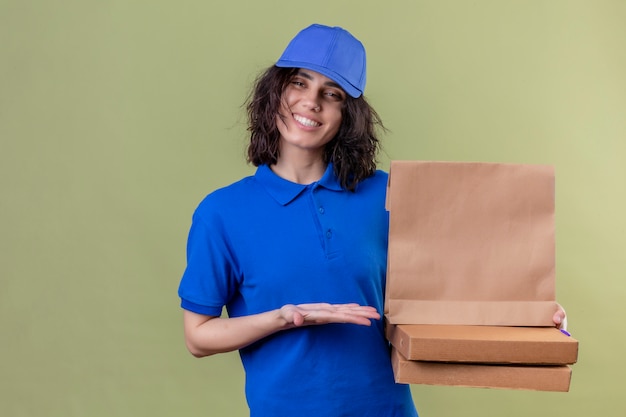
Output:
[[310, 114]]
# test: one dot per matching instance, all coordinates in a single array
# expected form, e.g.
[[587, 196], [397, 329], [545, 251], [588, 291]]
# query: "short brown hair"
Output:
[[352, 151]]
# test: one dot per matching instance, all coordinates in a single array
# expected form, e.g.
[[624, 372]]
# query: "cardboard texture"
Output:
[[471, 244], [539, 378], [483, 344]]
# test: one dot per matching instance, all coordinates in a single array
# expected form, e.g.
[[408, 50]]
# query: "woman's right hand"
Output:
[[324, 313]]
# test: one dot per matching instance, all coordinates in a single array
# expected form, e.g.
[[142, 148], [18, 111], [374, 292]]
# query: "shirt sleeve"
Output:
[[208, 282]]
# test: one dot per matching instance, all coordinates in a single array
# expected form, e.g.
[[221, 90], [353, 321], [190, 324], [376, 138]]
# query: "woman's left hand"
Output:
[[560, 318]]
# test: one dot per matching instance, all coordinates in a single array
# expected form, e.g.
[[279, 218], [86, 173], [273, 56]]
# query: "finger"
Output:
[[560, 317], [326, 316], [336, 307], [352, 311], [353, 307], [317, 306]]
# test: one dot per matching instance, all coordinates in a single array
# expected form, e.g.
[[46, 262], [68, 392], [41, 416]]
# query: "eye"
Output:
[[334, 95], [298, 83]]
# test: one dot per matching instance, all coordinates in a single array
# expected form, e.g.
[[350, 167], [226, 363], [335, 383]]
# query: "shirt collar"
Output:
[[284, 191]]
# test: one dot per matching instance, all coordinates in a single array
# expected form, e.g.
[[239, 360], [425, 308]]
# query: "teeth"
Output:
[[305, 121]]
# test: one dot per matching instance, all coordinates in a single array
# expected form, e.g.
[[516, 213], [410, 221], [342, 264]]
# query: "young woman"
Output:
[[297, 252]]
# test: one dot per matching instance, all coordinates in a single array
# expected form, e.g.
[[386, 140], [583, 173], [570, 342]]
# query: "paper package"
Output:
[[470, 290]]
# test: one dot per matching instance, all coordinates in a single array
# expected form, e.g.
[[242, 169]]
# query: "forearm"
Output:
[[206, 336]]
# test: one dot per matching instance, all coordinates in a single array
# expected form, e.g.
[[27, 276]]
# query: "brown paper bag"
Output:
[[471, 243]]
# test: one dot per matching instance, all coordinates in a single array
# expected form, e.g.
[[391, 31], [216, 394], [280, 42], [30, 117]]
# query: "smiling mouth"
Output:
[[306, 122]]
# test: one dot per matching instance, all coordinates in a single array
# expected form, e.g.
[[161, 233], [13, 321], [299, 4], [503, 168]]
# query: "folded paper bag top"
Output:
[[470, 243]]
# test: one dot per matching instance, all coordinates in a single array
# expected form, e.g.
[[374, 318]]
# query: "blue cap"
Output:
[[331, 51]]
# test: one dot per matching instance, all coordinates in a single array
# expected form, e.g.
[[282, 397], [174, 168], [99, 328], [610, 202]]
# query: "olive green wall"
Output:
[[118, 116]]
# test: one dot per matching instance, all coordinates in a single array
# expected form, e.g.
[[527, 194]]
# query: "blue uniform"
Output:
[[264, 242]]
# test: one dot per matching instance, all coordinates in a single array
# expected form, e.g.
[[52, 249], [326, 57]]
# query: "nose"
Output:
[[312, 101]]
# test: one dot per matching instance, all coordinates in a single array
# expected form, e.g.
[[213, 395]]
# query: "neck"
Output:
[[301, 171]]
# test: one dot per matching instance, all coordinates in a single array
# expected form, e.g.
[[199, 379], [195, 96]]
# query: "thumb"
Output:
[[298, 319]]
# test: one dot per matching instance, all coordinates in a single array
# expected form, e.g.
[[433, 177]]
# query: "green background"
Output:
[[118, 116]]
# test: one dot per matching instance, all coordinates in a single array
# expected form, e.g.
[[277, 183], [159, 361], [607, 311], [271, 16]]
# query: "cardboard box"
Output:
[[483, 344], [538, 378]]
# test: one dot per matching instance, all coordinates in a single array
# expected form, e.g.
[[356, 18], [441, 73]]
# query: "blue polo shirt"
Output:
[[264, 242]]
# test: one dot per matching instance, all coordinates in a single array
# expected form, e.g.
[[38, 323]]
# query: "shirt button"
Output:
[[329, 234], [321, 210]]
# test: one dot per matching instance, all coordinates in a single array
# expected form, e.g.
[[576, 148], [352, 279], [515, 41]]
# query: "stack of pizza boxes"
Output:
[[470, 294]]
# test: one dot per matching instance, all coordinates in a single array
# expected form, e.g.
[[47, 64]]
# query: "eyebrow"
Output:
[[329, 83]]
